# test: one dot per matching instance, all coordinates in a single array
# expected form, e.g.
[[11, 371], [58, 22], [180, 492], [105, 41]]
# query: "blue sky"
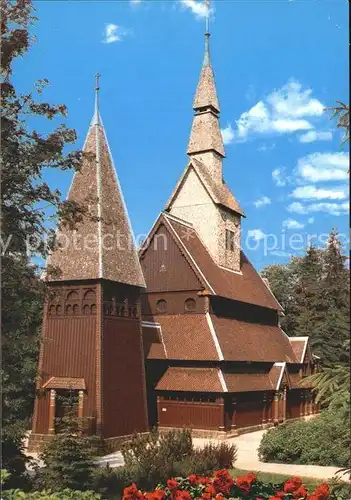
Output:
[[277, 65]]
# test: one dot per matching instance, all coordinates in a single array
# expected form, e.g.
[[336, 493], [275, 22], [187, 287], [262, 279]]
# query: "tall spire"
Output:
[[206, 138], [102, 244]]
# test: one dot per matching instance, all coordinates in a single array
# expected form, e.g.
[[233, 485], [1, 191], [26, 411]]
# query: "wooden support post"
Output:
[[301, 404], [80, 404], [264, 408], [276, 407], [233, 425], [52, 409], [284, 404], [221, 426]]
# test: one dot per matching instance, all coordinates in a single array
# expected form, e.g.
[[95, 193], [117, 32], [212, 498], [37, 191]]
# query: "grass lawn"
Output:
[[271, 477]]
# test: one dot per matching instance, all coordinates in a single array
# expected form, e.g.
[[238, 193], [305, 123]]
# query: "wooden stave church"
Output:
[[183, 321]]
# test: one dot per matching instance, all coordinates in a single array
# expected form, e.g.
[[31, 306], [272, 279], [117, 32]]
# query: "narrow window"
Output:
[[229, 240]]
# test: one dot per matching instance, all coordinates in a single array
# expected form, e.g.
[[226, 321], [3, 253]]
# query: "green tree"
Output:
[[25, 200], [314, 292], [335, 295], [342, 114], [69, 457]]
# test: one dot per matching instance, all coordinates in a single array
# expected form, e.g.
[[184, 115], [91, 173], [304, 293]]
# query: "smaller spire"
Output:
[[96, 118]]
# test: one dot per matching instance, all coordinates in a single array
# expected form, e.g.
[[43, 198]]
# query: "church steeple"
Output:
[[206, 142], [102, 244]]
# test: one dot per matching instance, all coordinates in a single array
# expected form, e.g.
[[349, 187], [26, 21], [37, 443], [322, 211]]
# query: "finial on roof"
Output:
[[207, 61], [97, 88]]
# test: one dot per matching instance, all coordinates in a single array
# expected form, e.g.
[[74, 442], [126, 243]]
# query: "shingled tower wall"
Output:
[[91, 336]]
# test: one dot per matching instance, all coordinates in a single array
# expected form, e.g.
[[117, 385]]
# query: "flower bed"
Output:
[[222, 485]]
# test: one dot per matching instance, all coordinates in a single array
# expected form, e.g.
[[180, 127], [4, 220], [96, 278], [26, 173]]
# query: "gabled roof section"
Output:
[[279, 375], [102, 244], [190, 380], [219, 193], [246, 286], [300, 347]]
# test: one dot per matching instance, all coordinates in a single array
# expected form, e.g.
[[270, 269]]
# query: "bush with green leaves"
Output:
[[49, 495], [150, 459], [325, 440]]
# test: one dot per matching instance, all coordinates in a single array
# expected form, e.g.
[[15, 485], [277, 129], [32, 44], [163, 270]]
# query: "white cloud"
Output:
[[261, 202], [319, 167], [278, 176], [293, 102], [282, 112], [310, 220], [266, 147], [331, 208], [114, 33], [227, 134], [198, 8], [256, 234], [314, 135], [292, 224], [135, 2], [313, 193]]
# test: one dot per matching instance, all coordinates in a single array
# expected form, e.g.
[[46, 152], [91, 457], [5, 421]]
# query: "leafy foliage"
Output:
[[65, 494], [314, 292], [342, 114], [153, 458], [25, 204], [321, 441]]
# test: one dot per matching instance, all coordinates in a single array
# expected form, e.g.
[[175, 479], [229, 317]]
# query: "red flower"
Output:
[[223, 481], [251, 478], [322, 490], [292, 484], [204, 480], [155, 495], [132, 493], [193, 479], [172, 484], [275, 498], [206, 496], [182, 495], [210, 490], [301, 492], [280, 494]]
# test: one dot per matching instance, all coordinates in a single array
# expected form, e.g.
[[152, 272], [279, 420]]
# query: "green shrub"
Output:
[[208, 459], [153, 457], [65, 494], [321, 441]]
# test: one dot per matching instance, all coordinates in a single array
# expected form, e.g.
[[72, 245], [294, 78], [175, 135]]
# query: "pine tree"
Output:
[[336, 297], [310, 309]]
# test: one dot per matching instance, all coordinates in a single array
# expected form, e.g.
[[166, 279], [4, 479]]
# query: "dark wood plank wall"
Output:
[[69, 351], [124, 391], [165, 268], [193, 415]]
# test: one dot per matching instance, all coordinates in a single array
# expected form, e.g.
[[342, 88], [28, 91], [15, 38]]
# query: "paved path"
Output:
[[248, 459]]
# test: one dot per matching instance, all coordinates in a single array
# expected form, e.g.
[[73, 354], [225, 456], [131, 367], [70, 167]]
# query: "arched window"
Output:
[[190, 305], [93, 309], [161, 306], [58, 309], [76, 309], [69, 309], [72, 296], [86, 309], [52, 310]]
